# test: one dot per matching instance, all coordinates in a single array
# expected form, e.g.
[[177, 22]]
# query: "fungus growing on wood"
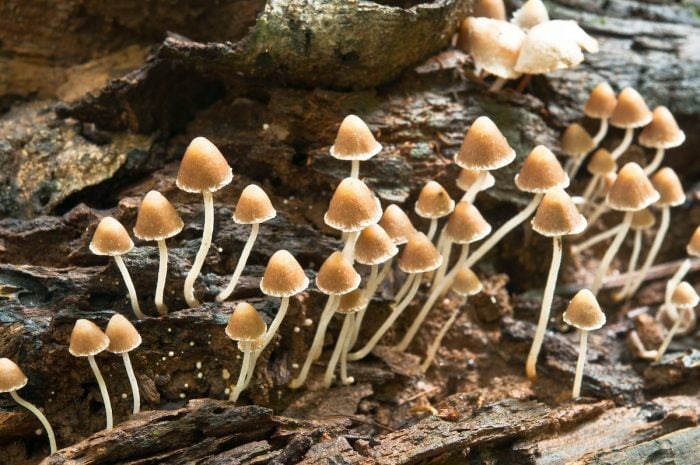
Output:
[[530, 14], [11, 380], [685, 299], [494, 46], [354, 142], [157, 220], [244, 326], [253, 207], [396, 224], [433, 203], [123, 338], [661, 134], [600, 105], [575, 143], [642, 220], [630, 112], [203, 170]]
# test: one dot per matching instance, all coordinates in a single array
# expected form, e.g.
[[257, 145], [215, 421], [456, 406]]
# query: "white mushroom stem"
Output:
[[432, 229], [404, 289], [103, 391], [498, 84], [598, 212], [434, 294], [372, 285], [344, 378], [593, 240], [162, 274], [362, 353], [445, 249], [672, 332], [576, 165], [132, 382], [624, 145], [507, 227], [243, 375], [578, 377], [349, 248], [335, 356], [610, 254], [631, 275], [602, 132], [470, 193], [432, 350], [242, 260], [42, 418], [676, 279], [655, 162], [255, 354], [274, 326], [653, 251], [642, 351], [591, 188], [355, 169], [530, 365], [130, 287], [202, 252]]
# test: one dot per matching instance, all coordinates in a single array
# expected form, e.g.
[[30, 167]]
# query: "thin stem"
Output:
[[610, 254], [590, 189], [669, 336], [162, 274], [498, 84], [432, 229], [624, 145], [344, 378], [631, 275], [474, 189], [42, 418], [103, 391], [598, 212], [655, 162], [578, 377], [404, 289], [242, 260], [370, 287], [355, 169], [335, 356], [432, 350], [642, 351], [602, 132], [593, 240], [349, 248], [242, 376], [547, 297], [203, 250], [653, 251], [576, 165], [254, 355], [676, 279], [130, 287], [524, 81], [274, 326], [445, 250], [132, 382]]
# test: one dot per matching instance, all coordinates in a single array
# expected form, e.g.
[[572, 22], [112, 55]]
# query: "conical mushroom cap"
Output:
[[601, 102], [693, 247], [374, 246], [87, 339], [632, 190], [684, 296], [584, 312], [122, 335], [419, 255], [602, 163], [643, 219], [354, 141], [157, 218], [631, 110], [253, 206], [540, 172], [466, 225], [546, 49], [110, 238], [434, 201], [484, 147], [203, 168], [353, 207], [494, 9], [337, 275], [494, 45], [245, 323], [670, 189], [11, 376], [396, 224], [532, 13], [284, 276], [576, 142], [663, 131], [557, 215], [466, 282], [468, 177], [352, 302]]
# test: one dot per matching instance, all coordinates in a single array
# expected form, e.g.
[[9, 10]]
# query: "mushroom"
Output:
[[530, 14], [661, 134], [203, 170], [11, 380], [641, 221], [576, 143], [349, 305], [354, 142], [244, 326], [630, 112], [494, 47], [396, 224], [253, 207], [157, 220], [556, 216], [111, 239], [433, 203], [601, 164], [684, 298], [467, 178], [495, 9], [123, 338], [600, 105], [88, 340], [585, 314], [693, 250]]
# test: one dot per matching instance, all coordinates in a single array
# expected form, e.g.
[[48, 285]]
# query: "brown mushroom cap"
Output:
[[11, 376], [284, 276], [203, 168], [468, 177], [122, 335], [253, 206], [643, 219], [157, 218], [374, 246], [434, 201], [632, 190], [494, 9], [396, 224], [352, 302], [484, 147], [557, 215], [354, 141], [663, 131], [631, 110], [584, 312], [693, 247], [353, 207], [466, 225], [576, 142], [419, 255], [601, 102], [337, 275], [530, 14], [540, 172], [87, 339], [466, 282], [670, 189], [684, 296], [245, 323], [494, 46], [602, 163], [110, 238]]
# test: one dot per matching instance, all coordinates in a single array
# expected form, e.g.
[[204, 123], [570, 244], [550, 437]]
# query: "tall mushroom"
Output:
[[600, 105], [642, 220], [576, 143], [433, 203], [661, 134], [354, 142], [685, 299], [253, 207], [556, 216], [123, 338], [244, 326], [203, 170], [158, 220], [630, 112]]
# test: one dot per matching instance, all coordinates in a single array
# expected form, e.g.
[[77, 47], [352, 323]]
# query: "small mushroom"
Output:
[[693, 250], [88, 340], [585, 314], [123, 338], [685, 299], [600, 105], [396, 224], [630, 112], [203, 170], [244, 326], [642, 220], [575, 143], [11, 380], [354, 142], [350, 304], [494, 46], [530, 14], [601, 164], [661, 134], [433, 203]]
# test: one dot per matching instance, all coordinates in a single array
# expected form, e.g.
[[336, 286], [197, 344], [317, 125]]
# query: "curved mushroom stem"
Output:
[[202, 252], [576, 165], [445, 249], [593, 240], [655, 162], [242, 376], [133, 383], [103, 391], [624, 144], [372, 286], [226, 293], [590, 189], [335, 356], [344, 378], [602, 132], [130, 287], [470, 193], [274, 326], [435, 345], [642, 351], [507, 227], [530, 365], [610, 254], [498, 84], [669, 336], [355, 169], [653, 251], [631, 274], [404, 288], [162, 273], [676, 279], [601, 209], [349, 248], [578, 377], [254, 355], [432, 229], [42, 418]]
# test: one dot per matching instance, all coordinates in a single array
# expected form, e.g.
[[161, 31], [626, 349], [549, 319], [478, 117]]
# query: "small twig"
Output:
[[419, 395]]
